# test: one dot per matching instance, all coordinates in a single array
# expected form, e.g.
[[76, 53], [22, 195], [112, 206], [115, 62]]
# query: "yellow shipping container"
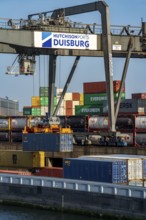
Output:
[[81, 99], [38, 159], [16, 159], [35, 101]]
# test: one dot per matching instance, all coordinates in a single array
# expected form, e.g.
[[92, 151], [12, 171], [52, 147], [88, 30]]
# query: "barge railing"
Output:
[[77, 185]]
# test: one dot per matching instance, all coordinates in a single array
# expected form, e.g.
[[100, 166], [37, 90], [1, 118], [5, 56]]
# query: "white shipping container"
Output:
[[61, 111], [141, 109], [96, 122], [136, 183], [74, 103], [68, 96], [44, 110], [135, 170], [59, 91], [62, 105]]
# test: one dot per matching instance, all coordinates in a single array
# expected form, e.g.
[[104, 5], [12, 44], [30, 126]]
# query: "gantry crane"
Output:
[[22, 36]]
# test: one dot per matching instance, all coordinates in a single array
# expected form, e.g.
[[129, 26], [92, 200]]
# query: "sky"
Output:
[[22, 88]]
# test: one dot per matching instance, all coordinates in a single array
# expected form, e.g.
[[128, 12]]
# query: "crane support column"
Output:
[[106, 42], [51, 83], [67, 84], [103, 8], [130, 47]]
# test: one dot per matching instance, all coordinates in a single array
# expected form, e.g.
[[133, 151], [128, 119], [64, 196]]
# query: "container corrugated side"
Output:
[[98, 98], [35, 100], [27, 110], [134, 164], [129, 106], [139, 183], [95, 170], [43, 91], [88, 109], [138, 96], [52, 142], [100, 87], [50, 172], [76, 96]]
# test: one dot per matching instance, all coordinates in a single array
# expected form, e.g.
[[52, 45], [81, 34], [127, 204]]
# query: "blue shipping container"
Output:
[[53, 142], [108, 171]]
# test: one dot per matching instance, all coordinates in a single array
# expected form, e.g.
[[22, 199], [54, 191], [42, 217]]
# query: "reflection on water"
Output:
[[19, 213]]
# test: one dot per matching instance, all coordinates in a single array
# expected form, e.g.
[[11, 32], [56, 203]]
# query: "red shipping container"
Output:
[[76, 96], [69, 112], [50, 172], [139, 96], [68, 104], [100, 87]]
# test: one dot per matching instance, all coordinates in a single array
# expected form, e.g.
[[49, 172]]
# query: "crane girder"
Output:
[[16, 41], [22, 40]]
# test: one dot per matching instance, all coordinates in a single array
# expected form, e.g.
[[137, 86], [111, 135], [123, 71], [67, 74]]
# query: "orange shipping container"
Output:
[[100, 87], [75, 96], [68, 104], [69, 112], [50, 172], [139, 96]]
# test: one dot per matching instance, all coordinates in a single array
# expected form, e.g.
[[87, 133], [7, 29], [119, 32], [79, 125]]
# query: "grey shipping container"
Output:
[[129, 106], [108, 171], [51, 142]]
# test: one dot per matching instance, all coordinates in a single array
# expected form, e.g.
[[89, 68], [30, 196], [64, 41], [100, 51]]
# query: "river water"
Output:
[[19, 213]]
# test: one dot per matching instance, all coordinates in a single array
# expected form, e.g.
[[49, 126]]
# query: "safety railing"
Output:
[[77, 185]]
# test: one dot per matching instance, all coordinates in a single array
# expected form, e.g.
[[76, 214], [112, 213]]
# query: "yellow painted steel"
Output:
[[39, 159], [16, 159], [46, 129]]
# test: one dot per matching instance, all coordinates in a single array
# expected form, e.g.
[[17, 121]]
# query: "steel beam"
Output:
[[106, 42], [130, 46], [103, 8], [67, 84], [51, 84]]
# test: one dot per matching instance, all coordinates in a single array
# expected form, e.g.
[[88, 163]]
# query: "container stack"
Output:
[[35, 102], [43, 92], [40, 103], [71, 100], [135, 105], [95, 95], [135, 167], [119, 169]]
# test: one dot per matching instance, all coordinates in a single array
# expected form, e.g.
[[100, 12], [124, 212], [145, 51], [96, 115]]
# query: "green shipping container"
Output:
[[88, 109], [98, 98], [44, 101], [36, 111], [43, 91], [27, 111]]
